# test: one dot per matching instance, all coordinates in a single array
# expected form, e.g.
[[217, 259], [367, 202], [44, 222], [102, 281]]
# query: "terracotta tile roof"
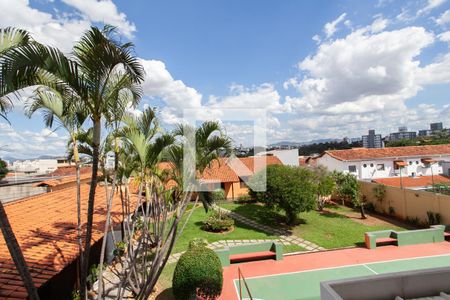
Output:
[[45, 227], [62, 180], [220, 171], [70, 170], [391, 152], [412, 182]]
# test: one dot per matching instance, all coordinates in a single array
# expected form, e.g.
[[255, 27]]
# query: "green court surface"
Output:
[[305, 285]]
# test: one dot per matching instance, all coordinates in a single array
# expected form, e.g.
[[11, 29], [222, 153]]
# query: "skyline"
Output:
[[321, 69]]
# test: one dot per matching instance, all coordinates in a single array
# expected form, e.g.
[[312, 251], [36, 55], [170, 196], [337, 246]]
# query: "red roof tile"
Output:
[[45, 227], [70, 170], [391, 152], [412, 182], [222, 170]]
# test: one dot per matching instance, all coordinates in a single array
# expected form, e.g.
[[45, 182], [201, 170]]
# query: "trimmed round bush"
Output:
[[218, 222], [198, 272]]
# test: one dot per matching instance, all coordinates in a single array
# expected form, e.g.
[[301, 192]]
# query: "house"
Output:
[[287, 157], [230, 173], [45, 227], [368, 164], [63, 182]]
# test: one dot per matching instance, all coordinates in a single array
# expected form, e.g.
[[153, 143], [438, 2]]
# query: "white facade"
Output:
[[287, 157], [38, 166], [385, 167]]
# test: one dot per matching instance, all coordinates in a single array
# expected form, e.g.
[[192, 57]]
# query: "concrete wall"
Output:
[[19, 191], [409, 203]]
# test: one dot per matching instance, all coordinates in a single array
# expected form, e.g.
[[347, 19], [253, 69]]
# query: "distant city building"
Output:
[[372, 140], [38, 166], [424, 132], [436, 126], [402, 134]]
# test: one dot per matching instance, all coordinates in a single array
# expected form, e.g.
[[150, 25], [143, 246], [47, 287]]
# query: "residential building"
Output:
[[38, 166], [446, 168], [425, 132], [372, 140], [287, 157], [46, 228], [230, 174], [436, 126], [402, 134], [387, 162]]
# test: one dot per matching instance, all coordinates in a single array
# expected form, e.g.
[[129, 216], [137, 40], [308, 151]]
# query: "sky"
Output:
[[312, 69]]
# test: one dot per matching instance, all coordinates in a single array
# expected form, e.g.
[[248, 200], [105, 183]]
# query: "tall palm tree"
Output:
[[71, 117], [90, 75], [11, 38]]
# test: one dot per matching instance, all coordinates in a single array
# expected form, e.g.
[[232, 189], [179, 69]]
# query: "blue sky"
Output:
[[321, 69]]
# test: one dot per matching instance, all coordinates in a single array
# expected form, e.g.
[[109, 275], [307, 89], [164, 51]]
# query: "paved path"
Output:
[[286, 237]]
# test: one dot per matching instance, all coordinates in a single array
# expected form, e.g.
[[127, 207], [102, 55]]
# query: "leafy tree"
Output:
[[325, 185], [348, 190], [3, 169], [290, 189]]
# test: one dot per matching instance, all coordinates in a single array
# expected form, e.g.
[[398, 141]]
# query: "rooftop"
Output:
[[413, 182], [389, 152], [45, 227]]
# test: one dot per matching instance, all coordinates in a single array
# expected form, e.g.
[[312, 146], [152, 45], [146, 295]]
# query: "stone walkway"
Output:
[[286, 237]]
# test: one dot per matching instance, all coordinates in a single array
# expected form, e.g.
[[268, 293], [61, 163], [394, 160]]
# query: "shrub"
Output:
[[379, 191], [290, 189], [391, 210], [3, 169], [218, 222], [218, 195], [370, 207], [198, 272], [244, 199], [433, 218]]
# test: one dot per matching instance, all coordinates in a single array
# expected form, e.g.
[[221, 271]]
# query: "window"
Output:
[[371, 165], [364, 165], [417, 162], [352, 169], [380, 167], [410, 163]]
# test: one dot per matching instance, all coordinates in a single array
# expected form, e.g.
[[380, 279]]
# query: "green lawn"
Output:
[[193, 230], [329, 230]]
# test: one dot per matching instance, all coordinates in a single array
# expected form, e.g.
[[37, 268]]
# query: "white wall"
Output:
[[287, 157], [367, 169]]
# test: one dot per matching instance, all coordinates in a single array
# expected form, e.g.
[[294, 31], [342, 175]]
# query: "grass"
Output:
[[193, 230], [329, 230]]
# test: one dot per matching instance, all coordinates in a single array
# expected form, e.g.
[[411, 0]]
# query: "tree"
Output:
[[3, 169], [90, 75], [348, 190], [10, 39], [325, 185], [290, 189]]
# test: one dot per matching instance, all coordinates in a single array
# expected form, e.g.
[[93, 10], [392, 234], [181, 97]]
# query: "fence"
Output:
[[406, 203]]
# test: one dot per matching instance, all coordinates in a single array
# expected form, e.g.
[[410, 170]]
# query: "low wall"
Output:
[[409, 203]]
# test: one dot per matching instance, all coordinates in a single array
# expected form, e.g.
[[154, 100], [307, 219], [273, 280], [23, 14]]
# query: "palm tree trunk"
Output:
[[91, 202], [17, 255], [79, 237]]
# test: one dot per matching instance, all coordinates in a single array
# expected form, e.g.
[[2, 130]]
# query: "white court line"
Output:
[[370, 269]]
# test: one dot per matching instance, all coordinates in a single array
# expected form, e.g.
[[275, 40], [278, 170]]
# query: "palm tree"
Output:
[[11, 38], [89, 74], [69, 116]]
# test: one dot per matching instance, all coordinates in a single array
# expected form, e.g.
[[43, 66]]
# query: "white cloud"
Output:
[[362, 72], [29, 144], [444, 18], [104, 11], [436, 72], [331, 27], [61, 32], [379, 25], [445, 36], [431, 4], [316, 38]]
